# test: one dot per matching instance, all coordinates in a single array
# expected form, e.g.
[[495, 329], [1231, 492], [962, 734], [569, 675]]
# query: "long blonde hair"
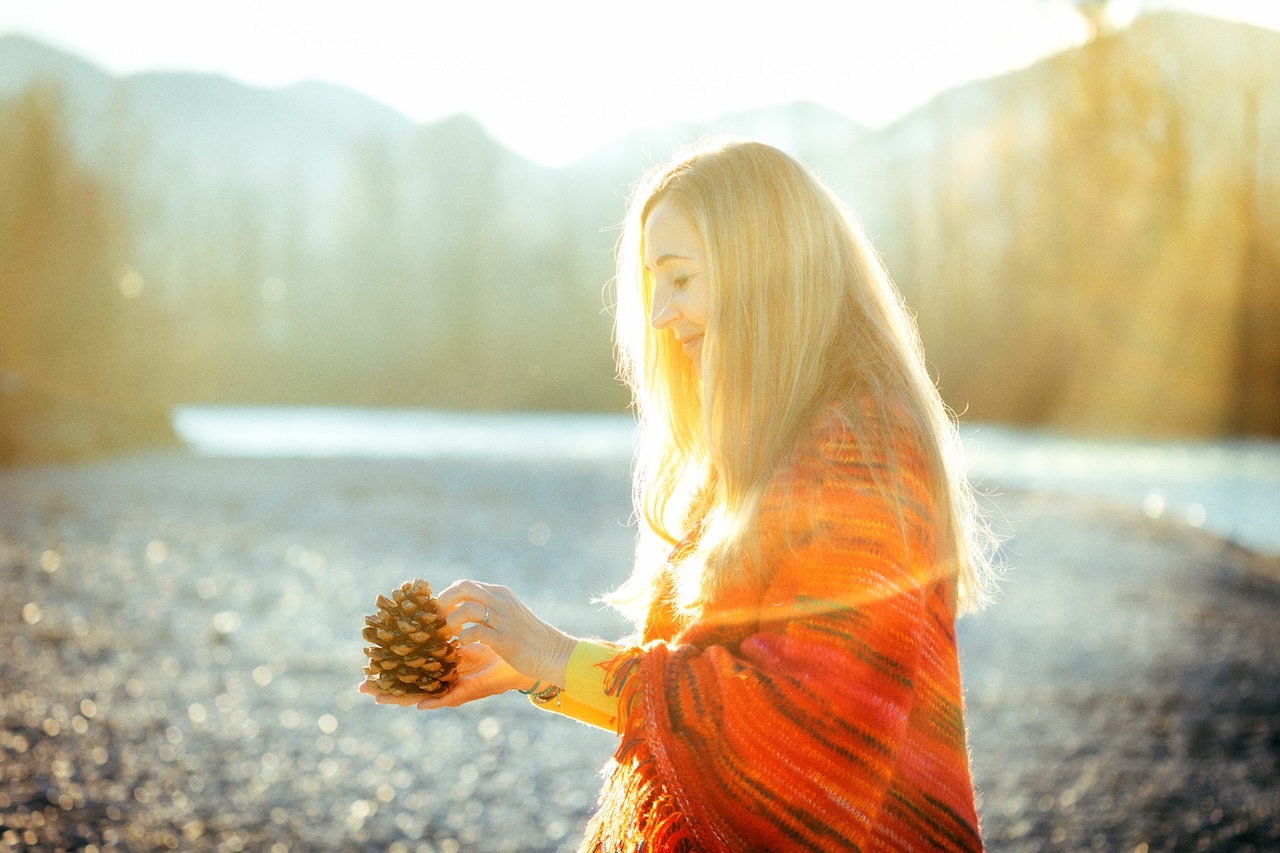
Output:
[[803, 315]]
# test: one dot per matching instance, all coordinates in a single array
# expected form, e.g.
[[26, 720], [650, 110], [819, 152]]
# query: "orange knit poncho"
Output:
[[820, 712]]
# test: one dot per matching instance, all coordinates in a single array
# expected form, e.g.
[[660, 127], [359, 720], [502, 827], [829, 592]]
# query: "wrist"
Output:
[[557, 660]]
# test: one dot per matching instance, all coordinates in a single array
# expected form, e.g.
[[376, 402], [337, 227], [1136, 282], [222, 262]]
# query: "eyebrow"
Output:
[[670, 257]]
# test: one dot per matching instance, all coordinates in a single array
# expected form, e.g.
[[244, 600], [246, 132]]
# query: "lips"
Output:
[[688, 344]]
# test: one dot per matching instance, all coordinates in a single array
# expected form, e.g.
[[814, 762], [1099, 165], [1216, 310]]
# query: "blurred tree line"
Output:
[[1092, 243], [74, 355], [126, 289]]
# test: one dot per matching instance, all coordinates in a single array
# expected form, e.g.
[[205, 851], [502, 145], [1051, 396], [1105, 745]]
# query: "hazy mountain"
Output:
[[1091, 242], [25, 61], [816, 134], [214, 129]]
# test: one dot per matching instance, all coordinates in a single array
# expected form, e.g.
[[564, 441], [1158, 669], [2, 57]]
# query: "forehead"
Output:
[[670, 234]]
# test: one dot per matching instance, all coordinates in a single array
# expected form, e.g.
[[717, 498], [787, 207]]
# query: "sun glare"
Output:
[[131, 283], [557, 92]]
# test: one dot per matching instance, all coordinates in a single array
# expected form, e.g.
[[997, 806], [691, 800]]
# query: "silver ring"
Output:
[[485, 620]]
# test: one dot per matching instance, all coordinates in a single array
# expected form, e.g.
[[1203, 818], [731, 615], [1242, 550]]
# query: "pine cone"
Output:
[[412, 653]]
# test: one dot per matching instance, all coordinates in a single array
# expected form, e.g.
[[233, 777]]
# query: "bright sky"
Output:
[[557, 78]]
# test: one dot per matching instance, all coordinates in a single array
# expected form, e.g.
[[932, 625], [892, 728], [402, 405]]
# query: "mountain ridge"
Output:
[[1092, 242], [37, 58], [381, 118]]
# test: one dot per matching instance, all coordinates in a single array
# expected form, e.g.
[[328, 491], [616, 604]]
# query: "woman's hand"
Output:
[[492, 616], [502, 646], [481, 672]]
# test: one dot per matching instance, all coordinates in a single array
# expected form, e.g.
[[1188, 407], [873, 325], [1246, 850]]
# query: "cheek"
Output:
[[700, 305]]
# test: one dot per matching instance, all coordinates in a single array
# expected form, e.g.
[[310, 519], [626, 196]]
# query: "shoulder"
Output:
[[855, 449], [856, 490]]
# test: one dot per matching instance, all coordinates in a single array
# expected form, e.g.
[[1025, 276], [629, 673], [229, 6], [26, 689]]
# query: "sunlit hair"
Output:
[[802, 316]]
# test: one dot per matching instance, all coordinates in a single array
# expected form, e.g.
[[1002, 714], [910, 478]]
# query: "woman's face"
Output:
[[676, 259]]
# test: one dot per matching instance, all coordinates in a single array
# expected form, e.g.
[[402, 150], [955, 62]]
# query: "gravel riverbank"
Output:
[[179, 649]]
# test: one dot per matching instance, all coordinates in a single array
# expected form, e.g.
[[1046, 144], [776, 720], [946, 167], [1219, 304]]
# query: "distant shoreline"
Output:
[[1230, 487]]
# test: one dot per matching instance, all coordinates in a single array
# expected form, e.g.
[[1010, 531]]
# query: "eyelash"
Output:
[[680, 281]]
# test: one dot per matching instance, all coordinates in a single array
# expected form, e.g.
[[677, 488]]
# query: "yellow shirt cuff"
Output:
[[584, 698], [567, 706]]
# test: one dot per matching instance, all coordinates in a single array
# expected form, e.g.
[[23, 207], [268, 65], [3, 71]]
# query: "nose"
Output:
[[663, 312]]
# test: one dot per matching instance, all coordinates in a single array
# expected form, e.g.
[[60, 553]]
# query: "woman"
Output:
[[805, 541]]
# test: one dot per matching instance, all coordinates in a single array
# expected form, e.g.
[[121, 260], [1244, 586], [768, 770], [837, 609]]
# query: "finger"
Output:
[[464, 691], [459, 591], [484, 593], [477, 633], [446, 701], [385, 698], [469, 612]]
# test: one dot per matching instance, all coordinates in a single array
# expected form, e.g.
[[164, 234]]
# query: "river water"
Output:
[[1229, 488]]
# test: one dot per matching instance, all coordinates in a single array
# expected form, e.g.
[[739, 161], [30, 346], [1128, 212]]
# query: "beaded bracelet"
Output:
[[531, 690], [546, 695]]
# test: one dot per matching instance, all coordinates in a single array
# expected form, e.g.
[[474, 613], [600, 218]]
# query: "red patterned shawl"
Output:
[[830, 717]]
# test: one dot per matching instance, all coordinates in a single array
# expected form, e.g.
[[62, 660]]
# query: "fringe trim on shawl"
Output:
[[636, 813]]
